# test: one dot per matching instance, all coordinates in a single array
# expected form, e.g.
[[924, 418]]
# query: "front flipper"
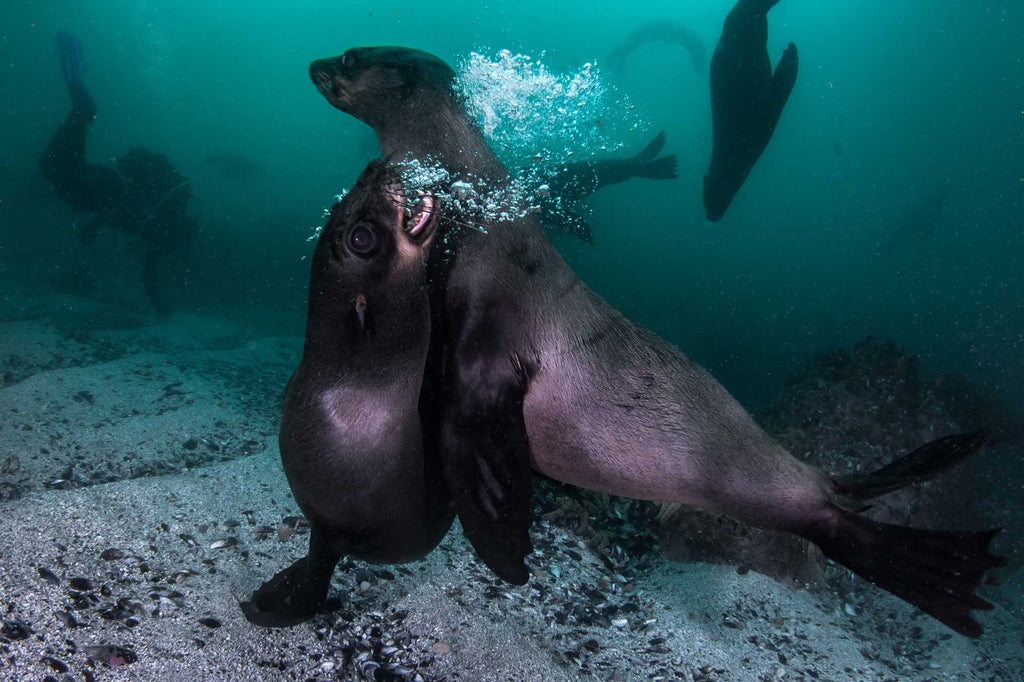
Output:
[[782, 84], [297, 593], [487, 459]]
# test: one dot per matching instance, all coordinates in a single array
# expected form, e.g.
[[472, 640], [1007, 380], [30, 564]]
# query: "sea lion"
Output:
[[350, 436], [664, 31], [560, 204], [746, 100], [541, 373]]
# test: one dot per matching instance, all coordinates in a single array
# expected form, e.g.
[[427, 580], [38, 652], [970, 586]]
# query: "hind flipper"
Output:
[[663, 168], [936, 571], [923, 464], [652, 149], [71, 62], [782, 84]]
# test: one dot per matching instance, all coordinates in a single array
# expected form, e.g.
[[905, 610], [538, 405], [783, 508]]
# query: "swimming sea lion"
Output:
[[746, 100], [664, 31], [350, 437], [539, 371], [560, 208]]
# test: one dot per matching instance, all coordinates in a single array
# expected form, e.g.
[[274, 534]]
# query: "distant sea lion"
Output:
[[663, 31], [350, 437], [540, 372], [746, 100], [561, 208]]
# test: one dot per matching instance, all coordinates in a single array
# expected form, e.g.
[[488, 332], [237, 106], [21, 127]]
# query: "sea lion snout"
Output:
[[329, 82]]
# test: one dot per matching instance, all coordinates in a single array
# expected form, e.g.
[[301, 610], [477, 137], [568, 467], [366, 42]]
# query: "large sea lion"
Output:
[[746, 100], [350, 437], [538, 372]]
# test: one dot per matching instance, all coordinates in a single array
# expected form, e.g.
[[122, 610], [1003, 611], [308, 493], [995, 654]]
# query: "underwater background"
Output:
[[888, 204], [895, 104]]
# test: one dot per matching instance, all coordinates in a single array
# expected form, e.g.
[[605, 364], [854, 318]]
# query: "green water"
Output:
[[893, 100]]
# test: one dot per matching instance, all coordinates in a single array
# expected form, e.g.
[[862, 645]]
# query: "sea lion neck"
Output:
[[436, 127]]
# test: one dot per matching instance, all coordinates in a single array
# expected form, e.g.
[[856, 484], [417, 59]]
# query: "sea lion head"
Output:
[[370, 82], [369, 266], [720, 187]]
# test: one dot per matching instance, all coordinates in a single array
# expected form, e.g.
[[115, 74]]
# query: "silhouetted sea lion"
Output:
[[561, 208], [664, 31], [746, 100], [539, 371], [350, 435]]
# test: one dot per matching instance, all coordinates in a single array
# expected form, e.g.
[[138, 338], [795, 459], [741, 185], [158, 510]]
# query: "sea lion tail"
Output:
[[936, 571]]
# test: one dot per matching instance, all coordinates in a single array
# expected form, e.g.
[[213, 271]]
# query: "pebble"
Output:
[[441, 648]]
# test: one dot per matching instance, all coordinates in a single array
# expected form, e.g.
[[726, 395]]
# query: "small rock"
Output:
[[441, 648]]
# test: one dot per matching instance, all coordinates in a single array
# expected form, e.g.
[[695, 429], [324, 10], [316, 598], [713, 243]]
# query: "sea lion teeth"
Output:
[[422, 215]]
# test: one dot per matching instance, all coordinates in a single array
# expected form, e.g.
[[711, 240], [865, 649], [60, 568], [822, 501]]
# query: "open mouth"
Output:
[[418, 213]]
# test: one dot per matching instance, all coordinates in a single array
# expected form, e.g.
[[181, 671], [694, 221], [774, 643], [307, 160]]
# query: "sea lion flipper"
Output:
[[487, 466], [920, 465], [782, 84], [297, 593], [653, 148]]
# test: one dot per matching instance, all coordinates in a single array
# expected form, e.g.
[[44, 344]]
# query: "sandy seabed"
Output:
[[143, 498]]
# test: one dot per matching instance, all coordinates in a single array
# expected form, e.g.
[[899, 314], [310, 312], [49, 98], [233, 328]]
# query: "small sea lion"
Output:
[[560, 208], [664, 31], [746, 100], [350, 436], [539, 372]]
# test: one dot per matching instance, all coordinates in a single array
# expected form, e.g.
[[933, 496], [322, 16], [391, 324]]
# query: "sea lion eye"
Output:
[[348, 60], [362, 241]]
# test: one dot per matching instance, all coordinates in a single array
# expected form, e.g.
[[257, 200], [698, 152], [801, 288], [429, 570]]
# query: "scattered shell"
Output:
[[81, 584], [15, 629], [48, 575], [113, 656], [850, 611], [224, 544]]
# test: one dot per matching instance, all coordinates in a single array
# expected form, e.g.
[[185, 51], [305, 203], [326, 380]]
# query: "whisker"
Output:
[[478, 228]]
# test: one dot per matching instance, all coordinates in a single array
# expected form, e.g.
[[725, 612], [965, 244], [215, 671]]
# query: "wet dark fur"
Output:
[[350, 436], [535, 369], [746, 100]]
